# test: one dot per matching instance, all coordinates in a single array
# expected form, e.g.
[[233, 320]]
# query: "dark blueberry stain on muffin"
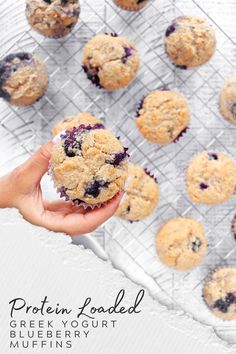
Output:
[[140, 1], [71, 13], [4, 94], [213, 156], [223, 304], [73, 138], [92, 75], [8, 66], [233, 110], [94, 188], [196, 245], [171, 29], [128, 53], [203, 186], [93, 127], [230, 298], [74, 12], [72, 149], [118, 158], [48, 1]]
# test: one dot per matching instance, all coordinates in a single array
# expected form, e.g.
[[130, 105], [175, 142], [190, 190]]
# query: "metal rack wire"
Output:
[[131, 246]]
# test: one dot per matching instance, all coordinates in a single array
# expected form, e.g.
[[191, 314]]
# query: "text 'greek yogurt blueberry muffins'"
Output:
[[71, 122], [53, 18], [211, 178], [190, 42], [23, 79], [141, 195], [228, 100], [110, 61], [181, 243], [163, 116], [89, 165], [131, 5], [219, 293]]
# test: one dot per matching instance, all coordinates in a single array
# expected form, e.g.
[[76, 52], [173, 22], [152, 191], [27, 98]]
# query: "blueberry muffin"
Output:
[[181, 243], [131, 5], [110, 61], [89, 165], [53, 18], [71, 122], [141, 195], [228, 100], [211, 178], [190, 42], [163, 117], [23, 79], [219, 293]]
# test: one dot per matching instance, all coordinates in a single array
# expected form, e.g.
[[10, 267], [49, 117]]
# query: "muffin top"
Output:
[[71, 122], [89, 165], [190, 41], [23, 78], [141, 195], [228, 100], [53, 18], [211, 178], [163, 116], [110, 61], [219, 293], [181, 243], [131, 5]]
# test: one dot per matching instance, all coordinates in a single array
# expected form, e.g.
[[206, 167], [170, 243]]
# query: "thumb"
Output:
[[37, 165]]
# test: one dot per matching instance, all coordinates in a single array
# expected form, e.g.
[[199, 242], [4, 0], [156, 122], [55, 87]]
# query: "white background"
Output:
[[35, 263]]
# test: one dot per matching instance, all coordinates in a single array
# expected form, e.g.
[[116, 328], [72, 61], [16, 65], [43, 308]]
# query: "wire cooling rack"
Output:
[[131, 246]]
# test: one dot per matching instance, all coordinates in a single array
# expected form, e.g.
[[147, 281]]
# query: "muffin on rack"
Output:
[[228, 100], [219, 293], [110, 62], [163, 116], [23, 79], [190, 42], [181, 243], [141, 195], [53, 18], [71, 122], [131, 5], [211, 178], [89, 165]]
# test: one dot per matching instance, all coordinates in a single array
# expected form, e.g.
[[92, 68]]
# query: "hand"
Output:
[[21, 189]]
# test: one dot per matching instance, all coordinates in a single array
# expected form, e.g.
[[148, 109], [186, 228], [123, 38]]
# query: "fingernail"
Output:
[[122, 199]]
